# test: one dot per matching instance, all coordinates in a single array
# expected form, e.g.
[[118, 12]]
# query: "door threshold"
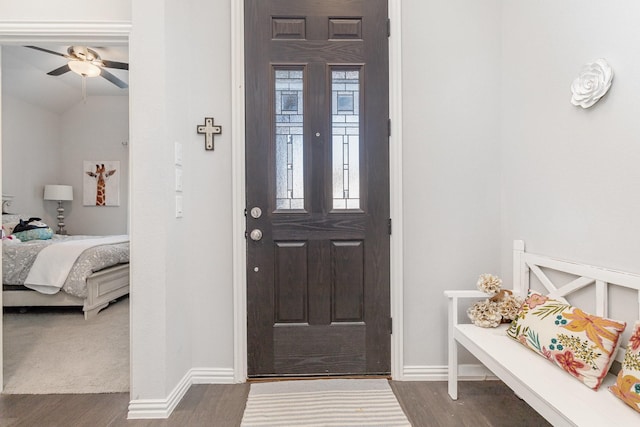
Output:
[[316, 377]]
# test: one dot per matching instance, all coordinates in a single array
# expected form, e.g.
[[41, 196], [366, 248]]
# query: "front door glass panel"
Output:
[[289, 137], [345, 124]]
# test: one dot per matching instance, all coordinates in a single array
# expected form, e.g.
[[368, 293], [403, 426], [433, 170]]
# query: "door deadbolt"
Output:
[[256, 212], [255, 234]]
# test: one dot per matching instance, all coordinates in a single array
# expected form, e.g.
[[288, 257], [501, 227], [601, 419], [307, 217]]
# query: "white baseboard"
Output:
[[439, 373], [162, 408], [212, 376]]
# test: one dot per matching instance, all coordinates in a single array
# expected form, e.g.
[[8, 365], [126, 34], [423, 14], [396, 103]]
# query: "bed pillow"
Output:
[[627, 387], [9, 226], [9, 221], [13, 217], [35, 234], [582, 344]]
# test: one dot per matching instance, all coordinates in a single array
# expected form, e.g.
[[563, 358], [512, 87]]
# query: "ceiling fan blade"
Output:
[[113, 79], [58, 71], [64, 55], [115, 64]]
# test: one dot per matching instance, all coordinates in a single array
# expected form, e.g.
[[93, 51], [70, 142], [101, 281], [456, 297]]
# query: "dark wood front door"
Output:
[[317, 187]]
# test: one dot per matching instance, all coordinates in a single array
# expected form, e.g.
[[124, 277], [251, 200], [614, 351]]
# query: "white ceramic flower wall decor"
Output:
[[592, 83]]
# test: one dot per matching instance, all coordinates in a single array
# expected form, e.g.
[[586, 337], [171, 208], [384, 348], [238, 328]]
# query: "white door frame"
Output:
[[34, 32], [238, 190]]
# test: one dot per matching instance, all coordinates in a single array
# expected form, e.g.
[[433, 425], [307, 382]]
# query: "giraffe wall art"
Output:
[[101, 183]]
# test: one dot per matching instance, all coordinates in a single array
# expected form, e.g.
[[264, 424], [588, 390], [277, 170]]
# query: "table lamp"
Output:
[[60, 193]]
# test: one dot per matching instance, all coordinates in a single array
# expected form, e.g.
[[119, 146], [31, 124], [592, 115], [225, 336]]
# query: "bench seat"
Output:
[[552, 392]]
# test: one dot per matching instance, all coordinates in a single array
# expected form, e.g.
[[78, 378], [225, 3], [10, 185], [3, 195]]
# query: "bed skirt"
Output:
[[103, 287]]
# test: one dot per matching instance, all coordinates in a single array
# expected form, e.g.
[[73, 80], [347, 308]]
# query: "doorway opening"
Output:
[[52, 124]]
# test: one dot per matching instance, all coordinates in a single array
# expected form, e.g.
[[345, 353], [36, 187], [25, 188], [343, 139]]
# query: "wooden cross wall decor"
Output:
[[209, 130]]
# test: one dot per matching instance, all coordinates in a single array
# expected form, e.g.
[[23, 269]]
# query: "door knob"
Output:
[[255, 234]]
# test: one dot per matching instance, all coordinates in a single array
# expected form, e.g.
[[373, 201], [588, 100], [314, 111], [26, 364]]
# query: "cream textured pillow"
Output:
[[9, 226], [10, 218], [582, 344], [627, 387]]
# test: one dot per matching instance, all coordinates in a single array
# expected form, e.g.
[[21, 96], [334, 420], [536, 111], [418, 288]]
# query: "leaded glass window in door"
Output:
[[289, 138], [345, 125]]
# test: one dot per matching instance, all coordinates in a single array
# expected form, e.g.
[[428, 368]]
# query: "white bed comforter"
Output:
[[17, 259], [53, 263]]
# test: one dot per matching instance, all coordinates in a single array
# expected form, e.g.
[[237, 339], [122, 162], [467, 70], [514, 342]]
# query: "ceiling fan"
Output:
[[87, 63]]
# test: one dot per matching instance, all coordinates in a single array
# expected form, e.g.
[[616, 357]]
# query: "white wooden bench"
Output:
[[553, 393]]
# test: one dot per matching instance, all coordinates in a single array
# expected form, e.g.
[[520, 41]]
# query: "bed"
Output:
[[97, 275]]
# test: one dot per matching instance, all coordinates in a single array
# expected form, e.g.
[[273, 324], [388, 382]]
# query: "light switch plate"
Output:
[[178, 179], [179, 212], [178, 153]]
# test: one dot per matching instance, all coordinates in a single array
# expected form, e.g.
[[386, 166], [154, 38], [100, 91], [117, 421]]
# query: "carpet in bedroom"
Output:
[[53, 351]]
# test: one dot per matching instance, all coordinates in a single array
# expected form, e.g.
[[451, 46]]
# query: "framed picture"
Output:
[[101, 183]]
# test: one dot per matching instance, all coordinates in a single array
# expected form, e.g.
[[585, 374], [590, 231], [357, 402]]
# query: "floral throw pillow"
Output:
[[582, 344], [627, 386]]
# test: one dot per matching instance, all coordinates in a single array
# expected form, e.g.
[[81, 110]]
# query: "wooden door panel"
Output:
[[320, 350], [318, 280], [347, 261], [291, 282], [323, 9], [288, 28], [316, 225], [341, 28], [318, 51]]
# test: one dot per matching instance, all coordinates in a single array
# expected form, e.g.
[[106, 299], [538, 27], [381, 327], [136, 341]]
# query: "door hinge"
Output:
[[391, 325], [389, 226], [388, 27], [245, 211], [388, 127]]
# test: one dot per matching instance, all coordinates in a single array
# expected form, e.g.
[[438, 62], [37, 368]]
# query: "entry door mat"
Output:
[[330, 402]]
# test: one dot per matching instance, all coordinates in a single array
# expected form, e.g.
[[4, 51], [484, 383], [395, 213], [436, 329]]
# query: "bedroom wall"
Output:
[[51, 148], [31, 156], [570, 176], [95, 130]]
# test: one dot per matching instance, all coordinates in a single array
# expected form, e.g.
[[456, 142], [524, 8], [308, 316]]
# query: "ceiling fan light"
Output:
[[84, 68]]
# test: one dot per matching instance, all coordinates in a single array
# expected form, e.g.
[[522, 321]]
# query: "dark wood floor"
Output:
[[482, 403]]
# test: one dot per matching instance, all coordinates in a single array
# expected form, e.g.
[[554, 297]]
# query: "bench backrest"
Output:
[[528, 266]]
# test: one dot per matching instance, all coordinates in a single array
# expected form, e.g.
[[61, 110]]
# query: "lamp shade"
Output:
[[58, 192]]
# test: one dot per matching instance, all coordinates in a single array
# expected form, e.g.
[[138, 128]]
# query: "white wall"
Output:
[[451, 161], [151, 203], [207, 179], [95, 130], [570, 176], [66, 10], [31, 157], [181, 268]]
